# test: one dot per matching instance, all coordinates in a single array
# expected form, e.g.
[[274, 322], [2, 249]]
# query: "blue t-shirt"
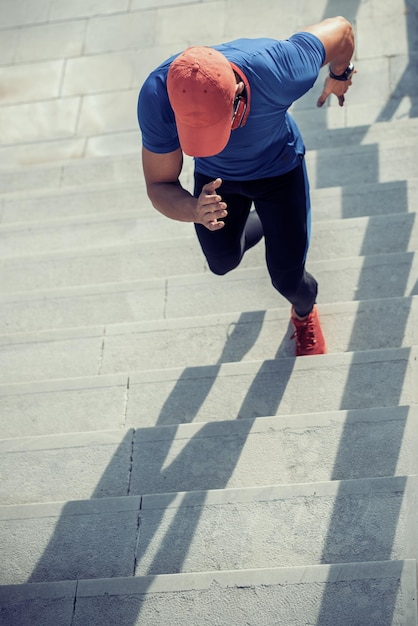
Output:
[[278, 72]]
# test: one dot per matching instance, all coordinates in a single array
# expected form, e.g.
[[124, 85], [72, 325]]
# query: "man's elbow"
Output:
[[346, 29]]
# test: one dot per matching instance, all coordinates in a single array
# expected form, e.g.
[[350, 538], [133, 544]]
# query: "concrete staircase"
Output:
[[164, 458]]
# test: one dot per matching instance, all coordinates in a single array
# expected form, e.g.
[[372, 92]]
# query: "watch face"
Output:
[[349, 71], [345, 75]]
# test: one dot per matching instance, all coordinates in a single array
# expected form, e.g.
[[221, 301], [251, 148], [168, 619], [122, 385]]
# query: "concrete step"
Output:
[[66, 467], [229, 529], [319, 447], [331, 239], [369, 379], [94, 265], [89, 232], [98, 199], [362, 164], [69, 540], [72, 173], [350, 593], [345, 279], [114, 198], [361, 200], [64, 405], [376, 378], [318, 137], [123, 168], [201, 340]]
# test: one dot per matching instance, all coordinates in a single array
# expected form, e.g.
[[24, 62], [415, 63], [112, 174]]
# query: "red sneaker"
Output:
[[308, 334]]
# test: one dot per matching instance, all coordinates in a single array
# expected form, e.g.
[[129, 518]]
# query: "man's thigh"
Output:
[[283, 206], [224, 248]]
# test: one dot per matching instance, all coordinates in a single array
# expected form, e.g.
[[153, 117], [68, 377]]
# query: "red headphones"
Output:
[[242, 102]]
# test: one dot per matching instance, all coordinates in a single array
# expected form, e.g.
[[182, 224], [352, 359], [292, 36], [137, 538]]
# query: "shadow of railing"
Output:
[[76, 550], [354, 521]]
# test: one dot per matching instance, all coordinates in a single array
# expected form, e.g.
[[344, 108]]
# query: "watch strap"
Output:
[[346, 75]]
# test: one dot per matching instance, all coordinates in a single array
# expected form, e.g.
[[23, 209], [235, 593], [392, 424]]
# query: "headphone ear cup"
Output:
[[239, 113]]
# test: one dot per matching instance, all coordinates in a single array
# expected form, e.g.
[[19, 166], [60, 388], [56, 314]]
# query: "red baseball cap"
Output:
[[201, 88]]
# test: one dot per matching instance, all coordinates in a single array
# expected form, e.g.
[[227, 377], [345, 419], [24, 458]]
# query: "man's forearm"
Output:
[[173, 201]]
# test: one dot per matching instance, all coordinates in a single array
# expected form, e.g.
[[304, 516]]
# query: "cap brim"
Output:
[[205, 141]]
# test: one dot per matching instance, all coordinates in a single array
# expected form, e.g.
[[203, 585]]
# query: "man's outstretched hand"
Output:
[[336, 87], [210, 208]]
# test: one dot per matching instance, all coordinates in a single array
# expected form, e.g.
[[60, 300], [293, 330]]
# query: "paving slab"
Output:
[[201, 340], [374, 39], [88, 232], [323, 140], [100, 72], [136, 256], [229, 391], [82, 306], [33, 154], [65, 467], [255, 335], [325, 135], [365, 164], [34, 120], [376, 378], [63, 406], [42, 205], [68, 540], [331, 237], [384, 592], [347, 279], [121, 31], [364, 236], [76, 172], [341, 280], [60, 358], [49, 41], [34, 178], [117, 112], [38, 604], [285, 525], [201, 528], [339, 445], [95, 265], [32, 81], [17, 13], [79, 8]]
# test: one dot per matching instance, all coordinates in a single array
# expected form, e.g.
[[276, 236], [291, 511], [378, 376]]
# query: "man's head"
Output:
[[201, 88]]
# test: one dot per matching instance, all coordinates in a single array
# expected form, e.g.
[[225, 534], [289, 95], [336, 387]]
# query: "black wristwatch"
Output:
[[346, 75]]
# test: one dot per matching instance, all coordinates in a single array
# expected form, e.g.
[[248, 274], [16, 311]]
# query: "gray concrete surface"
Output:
[[198, 341], [153, 419], [384, 591]]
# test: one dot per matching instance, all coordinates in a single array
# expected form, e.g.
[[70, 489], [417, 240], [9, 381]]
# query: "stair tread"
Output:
[[384, 589], [313, 447], [201, 340], [330, 522]]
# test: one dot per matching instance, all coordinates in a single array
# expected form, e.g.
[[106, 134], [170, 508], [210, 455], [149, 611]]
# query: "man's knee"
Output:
[[287, 283], [298, 287], [220, 267]]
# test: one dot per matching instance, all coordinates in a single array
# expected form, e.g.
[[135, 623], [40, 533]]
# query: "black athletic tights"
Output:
[[282, 215]]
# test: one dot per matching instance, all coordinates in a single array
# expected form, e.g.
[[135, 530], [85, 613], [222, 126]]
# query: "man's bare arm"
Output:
[[167, 195], [337, 36]]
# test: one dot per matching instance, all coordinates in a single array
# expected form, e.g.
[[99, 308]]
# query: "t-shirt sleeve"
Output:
[[156, 117], [298, 62]]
